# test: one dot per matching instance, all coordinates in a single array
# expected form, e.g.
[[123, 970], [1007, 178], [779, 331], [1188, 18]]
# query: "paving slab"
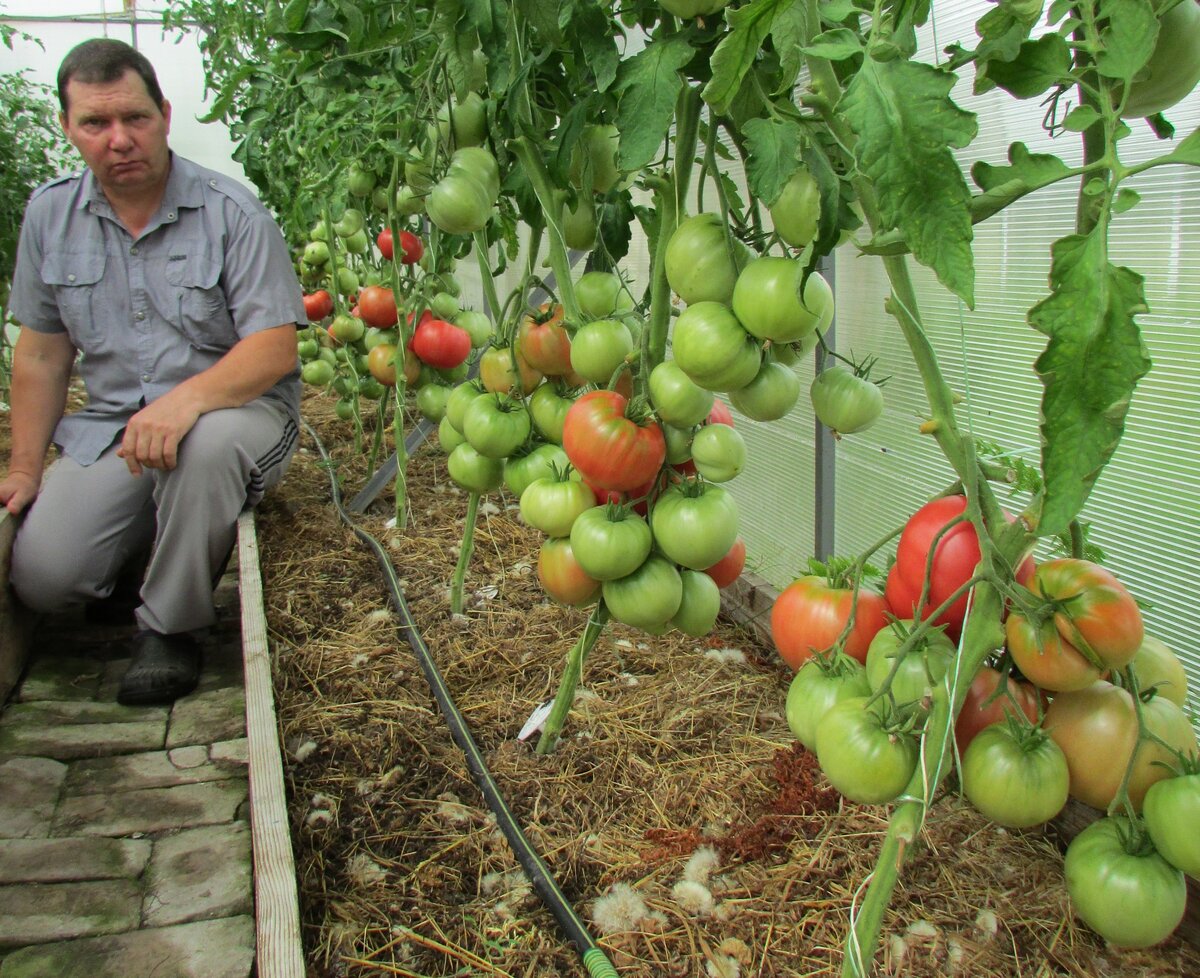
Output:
[[205, 717], [154, 769], [67, 741], [68, 677], [35, 913], [205, 949], [199, 874], [77, 859], [31, 788], [65, 712], [151, 810]]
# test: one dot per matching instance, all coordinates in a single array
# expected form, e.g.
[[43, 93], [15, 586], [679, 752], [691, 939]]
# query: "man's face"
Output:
[[120, 133]]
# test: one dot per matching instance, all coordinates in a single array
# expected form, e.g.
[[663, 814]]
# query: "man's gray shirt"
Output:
[[209, 269]]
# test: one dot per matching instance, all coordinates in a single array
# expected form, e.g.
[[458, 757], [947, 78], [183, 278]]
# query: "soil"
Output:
[[691, 833]]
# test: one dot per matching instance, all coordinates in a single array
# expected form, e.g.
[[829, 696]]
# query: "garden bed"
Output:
[[680, 817]]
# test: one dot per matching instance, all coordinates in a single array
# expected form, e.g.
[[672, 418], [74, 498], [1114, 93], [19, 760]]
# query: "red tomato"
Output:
[[609, 448], [441, 344], [810, 614], [544, 342], [318, 305], [411, 248], [954, 563], [377, 307], [729, 568], [977, 712]]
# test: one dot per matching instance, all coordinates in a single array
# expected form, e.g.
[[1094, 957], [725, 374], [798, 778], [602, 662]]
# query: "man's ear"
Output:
[[166, 113]]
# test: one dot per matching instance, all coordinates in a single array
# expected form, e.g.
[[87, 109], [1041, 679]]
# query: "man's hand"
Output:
[[18, 490], [153, 435]]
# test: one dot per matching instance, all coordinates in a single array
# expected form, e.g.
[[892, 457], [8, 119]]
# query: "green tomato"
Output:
[[1173, 68], [307, 350], [418, 173], [474, 472], [1155, 664], [457, 204], [771, 395], [1126, 892], [480, 165], [718, 452], [357, 243], [699, 605], [553, 504], [701, 264], [444, 306], [679, 443], [649, 597], [598, 144], [431, 401], [602, 294], [460, 399], [713, 349], [538, 463], [677, 399], [477, 325], [346, 328], [844, 402], [316, 253], [610, 542], [766, 299], [496, 425], [922, 667], [464, 123], [797, 211], [347, 281], [548, 408], [579, 224], [695, 523], [409, 201], [360, 181], [818, 685], [1017, 780], [599, 348], [449, 437], [351, 222], [318, 373], [1172, 813], [863, 757]]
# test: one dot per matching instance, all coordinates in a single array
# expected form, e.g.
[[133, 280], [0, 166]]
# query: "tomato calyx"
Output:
[[842, 573]]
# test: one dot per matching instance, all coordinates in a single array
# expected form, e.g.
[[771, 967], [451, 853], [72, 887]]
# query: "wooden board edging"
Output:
[[279, 952], [16, 623]]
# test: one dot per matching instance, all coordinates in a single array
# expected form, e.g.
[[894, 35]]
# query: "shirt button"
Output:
[[140, 316], [212, 183], [146, 378], [171, 216], [133, 250], [70, 278]]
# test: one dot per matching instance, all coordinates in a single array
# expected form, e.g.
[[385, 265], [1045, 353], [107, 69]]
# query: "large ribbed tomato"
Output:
[[544, 342], [611, 442]]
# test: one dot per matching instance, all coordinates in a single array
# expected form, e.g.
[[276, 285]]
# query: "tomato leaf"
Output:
[[771, 160], [1186, 152], [1089, 369], [906, 122], [1039, 65], [749, 26], [1128, 39], [649, 83], [787, 34], [590, 31], [835, 45]]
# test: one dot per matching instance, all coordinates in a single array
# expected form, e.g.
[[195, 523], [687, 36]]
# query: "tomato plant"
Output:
[[599, 348], [611, 444], [700, 265], [544, 343], [1121, 887], [797, 210], [552, 504], [986, 703], [811, 613], [677, 399]]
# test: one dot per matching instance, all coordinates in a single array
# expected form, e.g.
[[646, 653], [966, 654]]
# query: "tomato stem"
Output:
[[464, 555], [571, 676]]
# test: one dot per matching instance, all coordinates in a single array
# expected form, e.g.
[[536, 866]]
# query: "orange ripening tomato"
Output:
[[810, 614]]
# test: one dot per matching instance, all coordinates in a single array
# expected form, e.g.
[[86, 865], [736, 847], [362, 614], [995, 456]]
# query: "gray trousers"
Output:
[[88, 521]]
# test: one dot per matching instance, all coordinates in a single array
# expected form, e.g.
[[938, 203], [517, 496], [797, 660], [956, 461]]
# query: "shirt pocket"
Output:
[[75, 279], [203, 311]]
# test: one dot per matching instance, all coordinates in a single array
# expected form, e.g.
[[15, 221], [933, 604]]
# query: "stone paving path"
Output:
[[124, 832]]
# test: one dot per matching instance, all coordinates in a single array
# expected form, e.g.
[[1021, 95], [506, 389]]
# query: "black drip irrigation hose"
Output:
[[538, 873]]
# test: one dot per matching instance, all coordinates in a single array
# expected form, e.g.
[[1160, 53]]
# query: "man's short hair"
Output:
[[102, 60]]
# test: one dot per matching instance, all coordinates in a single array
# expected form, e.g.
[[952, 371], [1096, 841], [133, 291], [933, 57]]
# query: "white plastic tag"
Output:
[[536, 719]]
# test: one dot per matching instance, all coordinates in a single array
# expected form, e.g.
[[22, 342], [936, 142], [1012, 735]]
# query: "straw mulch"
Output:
[[685, 825]]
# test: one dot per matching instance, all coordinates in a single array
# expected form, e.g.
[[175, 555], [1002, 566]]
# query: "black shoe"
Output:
[[163, 668]]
